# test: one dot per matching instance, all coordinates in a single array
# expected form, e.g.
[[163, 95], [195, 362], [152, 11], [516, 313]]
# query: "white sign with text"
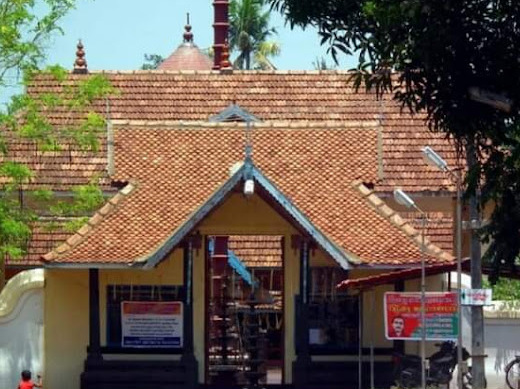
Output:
[[151, 324]]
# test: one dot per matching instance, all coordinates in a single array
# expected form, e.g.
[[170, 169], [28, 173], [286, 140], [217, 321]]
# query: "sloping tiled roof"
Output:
[[279, 96], [398, 275], [439, 228], [44, 239], [187, 57], [58, 170], [257, 250], [178, 167], [403, 163], [397, 220]]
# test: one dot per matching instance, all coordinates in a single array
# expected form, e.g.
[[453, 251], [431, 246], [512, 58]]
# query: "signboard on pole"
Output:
[[403, 315], [151, 324], [476, 297]]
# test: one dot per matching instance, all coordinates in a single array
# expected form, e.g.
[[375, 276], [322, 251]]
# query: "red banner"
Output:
[[403, 315]]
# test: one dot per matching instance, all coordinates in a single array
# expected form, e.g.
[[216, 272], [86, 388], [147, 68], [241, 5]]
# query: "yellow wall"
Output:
[[66, 327], [66, 314]]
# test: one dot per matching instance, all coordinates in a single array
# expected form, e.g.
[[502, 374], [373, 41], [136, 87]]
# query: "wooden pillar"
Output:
[[188, 356], [303, 359], [94, 349]]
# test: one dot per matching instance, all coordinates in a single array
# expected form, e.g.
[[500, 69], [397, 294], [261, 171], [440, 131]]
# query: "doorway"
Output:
[[244, 310]]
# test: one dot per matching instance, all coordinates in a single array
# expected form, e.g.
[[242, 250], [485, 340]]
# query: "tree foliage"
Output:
[[23, 34], [152, 61], [431, 55], [505, 289], [28, 118], [249, 33]]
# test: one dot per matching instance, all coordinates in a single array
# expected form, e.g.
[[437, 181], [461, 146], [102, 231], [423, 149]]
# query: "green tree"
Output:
[[249, 34], [26, 118], [321, 63], [441, 58], [23, 33], [152, 61], [505, 289]]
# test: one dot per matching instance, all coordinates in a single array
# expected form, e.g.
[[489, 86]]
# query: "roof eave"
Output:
[[93, 265]]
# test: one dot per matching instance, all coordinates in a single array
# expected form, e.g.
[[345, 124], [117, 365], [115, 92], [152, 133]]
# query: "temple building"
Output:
[[249, 234]]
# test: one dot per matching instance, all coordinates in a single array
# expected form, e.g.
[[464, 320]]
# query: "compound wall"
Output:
[[21, 327]]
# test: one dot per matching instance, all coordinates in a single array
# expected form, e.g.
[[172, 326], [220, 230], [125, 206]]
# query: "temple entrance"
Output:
[[244, 305]]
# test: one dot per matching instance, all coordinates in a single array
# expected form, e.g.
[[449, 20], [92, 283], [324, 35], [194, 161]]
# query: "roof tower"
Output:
[[187, 56]]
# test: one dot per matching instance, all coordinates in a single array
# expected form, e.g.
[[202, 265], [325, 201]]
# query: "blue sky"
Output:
[[117, 34]]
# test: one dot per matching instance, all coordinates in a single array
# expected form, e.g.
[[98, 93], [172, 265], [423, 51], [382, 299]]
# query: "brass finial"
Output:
[[188, 35], [80, 65]]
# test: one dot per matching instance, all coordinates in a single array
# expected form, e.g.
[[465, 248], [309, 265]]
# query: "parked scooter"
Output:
[[407, 368]]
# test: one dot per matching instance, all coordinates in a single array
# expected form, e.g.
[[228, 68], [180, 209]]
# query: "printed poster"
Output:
[[151, 324], [403, 315]]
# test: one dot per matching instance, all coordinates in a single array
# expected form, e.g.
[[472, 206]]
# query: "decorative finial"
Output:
[[80, 65], [225, 65], [188, 35]]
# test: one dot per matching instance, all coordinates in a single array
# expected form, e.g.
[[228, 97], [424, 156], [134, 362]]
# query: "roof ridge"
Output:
[[235, 71], [81, 235], [393, 216], [329, 124]]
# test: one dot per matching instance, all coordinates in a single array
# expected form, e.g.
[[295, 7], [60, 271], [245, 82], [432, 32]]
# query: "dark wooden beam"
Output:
[[94, 349], [303, 358], [188, 356]]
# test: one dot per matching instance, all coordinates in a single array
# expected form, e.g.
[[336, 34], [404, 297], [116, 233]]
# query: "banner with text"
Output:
[[403, 315], [151, 324]]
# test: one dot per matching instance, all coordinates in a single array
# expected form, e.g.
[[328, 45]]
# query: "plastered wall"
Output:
[[66, 327], [21, 327]]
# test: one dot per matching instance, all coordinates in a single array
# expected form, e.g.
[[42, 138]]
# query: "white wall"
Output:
[[21, 327], [502, 340]]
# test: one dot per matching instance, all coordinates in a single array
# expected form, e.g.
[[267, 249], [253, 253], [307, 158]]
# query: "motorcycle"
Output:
[[441, 364]]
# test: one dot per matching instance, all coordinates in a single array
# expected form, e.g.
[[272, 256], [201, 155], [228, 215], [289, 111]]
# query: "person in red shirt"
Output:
[[26, 382]]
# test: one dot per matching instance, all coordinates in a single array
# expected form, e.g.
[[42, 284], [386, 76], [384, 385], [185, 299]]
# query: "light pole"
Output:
[[403, 199], [436, 160]]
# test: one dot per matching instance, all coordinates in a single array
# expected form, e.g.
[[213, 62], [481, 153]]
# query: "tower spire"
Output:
[[188, 35], [80, 64]]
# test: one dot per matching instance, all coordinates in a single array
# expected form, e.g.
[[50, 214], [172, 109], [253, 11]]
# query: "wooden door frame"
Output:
[[207, 281]]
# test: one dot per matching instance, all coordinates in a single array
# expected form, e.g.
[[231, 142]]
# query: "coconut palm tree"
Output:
[[249, 31]]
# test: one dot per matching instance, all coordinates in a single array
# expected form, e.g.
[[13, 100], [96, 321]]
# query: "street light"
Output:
[[402, 198], [436, 160]]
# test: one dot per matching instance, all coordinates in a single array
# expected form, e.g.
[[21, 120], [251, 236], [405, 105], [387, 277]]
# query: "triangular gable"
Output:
[[249, 171], [234, 113]]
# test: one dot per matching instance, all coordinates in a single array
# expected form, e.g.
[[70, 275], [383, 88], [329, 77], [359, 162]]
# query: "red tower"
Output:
[[221, 28]]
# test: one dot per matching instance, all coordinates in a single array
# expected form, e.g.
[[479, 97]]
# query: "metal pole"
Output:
[[459, 277], [477, 316], [423, 304]]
